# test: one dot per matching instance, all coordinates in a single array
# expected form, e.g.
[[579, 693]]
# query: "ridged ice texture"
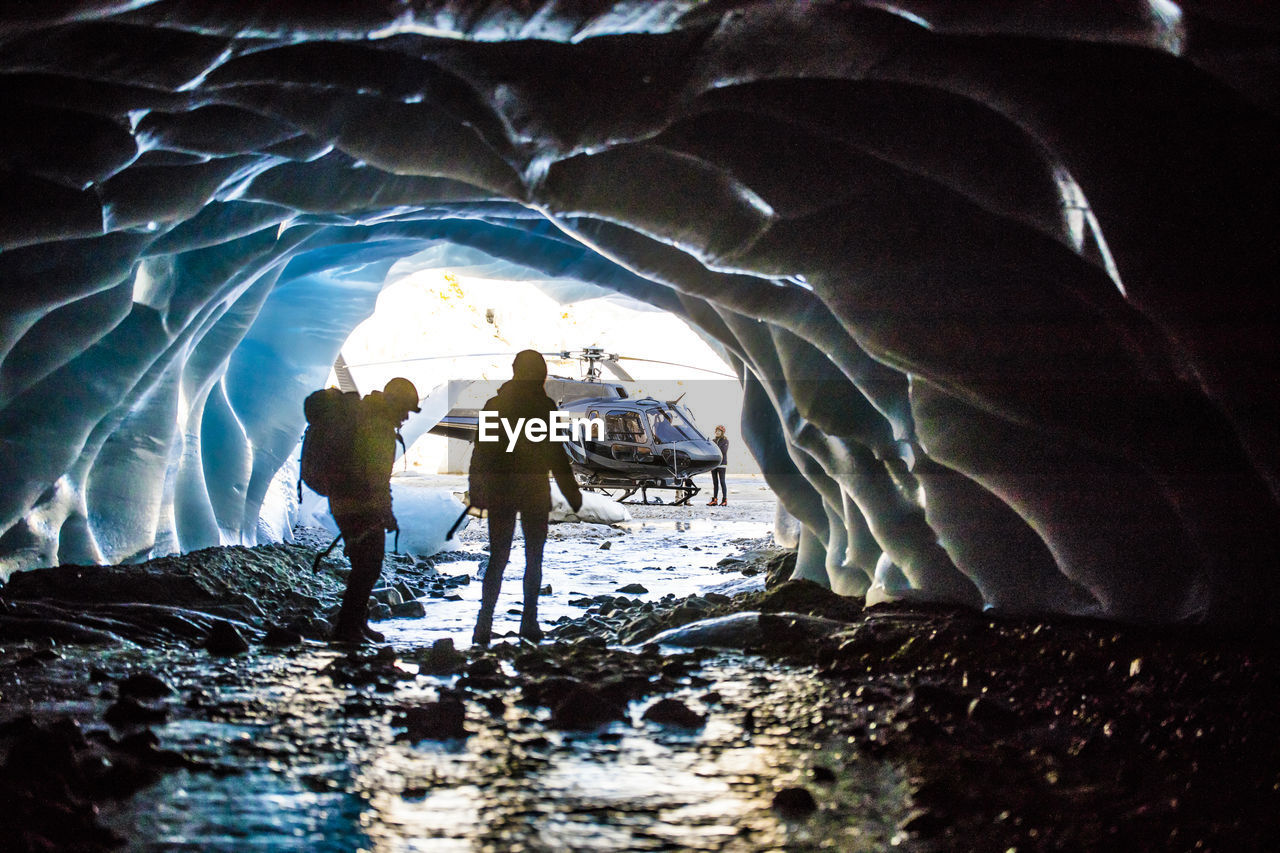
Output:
[[999, 278]]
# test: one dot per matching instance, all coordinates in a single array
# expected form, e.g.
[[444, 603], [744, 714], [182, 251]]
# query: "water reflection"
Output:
[[311, 766]]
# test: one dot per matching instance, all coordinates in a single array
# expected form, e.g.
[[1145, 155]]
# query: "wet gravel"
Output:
[[905, 728]]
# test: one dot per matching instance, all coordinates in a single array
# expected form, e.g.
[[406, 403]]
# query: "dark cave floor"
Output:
[[911, 728]]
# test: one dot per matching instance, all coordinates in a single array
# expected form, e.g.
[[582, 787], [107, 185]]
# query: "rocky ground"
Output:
[[795, 720]]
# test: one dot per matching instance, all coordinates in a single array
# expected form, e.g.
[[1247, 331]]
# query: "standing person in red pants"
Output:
[[510, 479]]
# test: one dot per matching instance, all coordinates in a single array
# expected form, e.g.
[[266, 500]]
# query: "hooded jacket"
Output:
[[518, 478]]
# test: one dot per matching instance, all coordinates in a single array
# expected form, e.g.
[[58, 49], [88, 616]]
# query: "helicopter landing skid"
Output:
[[684, 489]]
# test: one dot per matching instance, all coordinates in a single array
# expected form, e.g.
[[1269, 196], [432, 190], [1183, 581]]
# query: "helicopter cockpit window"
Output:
[[683, 420], [623, 426], [670, 426]]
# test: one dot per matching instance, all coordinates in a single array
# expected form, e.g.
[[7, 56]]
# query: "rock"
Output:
[[794, 803], [409, 610], [279, 637], [633, 589], [407, 593], [623, 688], [38, 658], [673, 712], [319, 629], [988, 712], [778, 568], [549, 692], [937, 700], [386, 595], [639, 629], [442, 659], [606, 545], [743, 630], [484, 666], [224, 640], [443, 720], [536, 662], [570, 632], [484, 674], [379, 612], [546, 590], [807, 597], [583, 709], [825, 775], [129, 711], [145, 686]]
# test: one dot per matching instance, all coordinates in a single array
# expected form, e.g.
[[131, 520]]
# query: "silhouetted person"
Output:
[[718, 487], [507, 482], [361, 503]]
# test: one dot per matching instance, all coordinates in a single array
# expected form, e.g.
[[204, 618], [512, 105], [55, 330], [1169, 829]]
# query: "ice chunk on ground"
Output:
[[596, 509], [425, 514]]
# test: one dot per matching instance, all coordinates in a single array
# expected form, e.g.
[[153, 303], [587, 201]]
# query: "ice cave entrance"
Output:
[[453, 332], [440, 326]]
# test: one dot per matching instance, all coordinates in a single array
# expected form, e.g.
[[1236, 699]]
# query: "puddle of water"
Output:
[[305, 772], [664, 556]]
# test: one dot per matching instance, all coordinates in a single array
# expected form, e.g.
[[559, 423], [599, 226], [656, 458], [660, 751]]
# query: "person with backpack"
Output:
[[347, 455], [509, 480]]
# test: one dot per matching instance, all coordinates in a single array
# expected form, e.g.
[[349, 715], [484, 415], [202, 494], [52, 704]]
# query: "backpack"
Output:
[[328, 445]]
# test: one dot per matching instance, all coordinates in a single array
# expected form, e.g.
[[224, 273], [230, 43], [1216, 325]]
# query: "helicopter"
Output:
[[648, 444]]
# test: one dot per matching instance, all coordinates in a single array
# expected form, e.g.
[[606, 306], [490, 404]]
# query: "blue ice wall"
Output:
[[1000, 288]]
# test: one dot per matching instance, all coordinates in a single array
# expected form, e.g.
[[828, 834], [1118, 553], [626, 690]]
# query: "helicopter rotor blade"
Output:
[[677, 364], [431, 358], [342, 370], [610, 360], [613, 365]]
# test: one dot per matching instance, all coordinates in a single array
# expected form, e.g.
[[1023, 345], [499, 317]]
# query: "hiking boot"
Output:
[[484, 630], [347, 637], [711, 502], [724, 502], [529, 629]]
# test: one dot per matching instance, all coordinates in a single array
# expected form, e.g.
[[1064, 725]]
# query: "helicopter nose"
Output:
[[705, 451]]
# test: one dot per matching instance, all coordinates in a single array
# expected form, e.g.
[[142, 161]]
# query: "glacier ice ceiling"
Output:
[[998, 277]]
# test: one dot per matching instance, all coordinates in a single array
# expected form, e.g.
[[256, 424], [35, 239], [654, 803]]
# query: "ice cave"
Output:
[[997, 278]]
